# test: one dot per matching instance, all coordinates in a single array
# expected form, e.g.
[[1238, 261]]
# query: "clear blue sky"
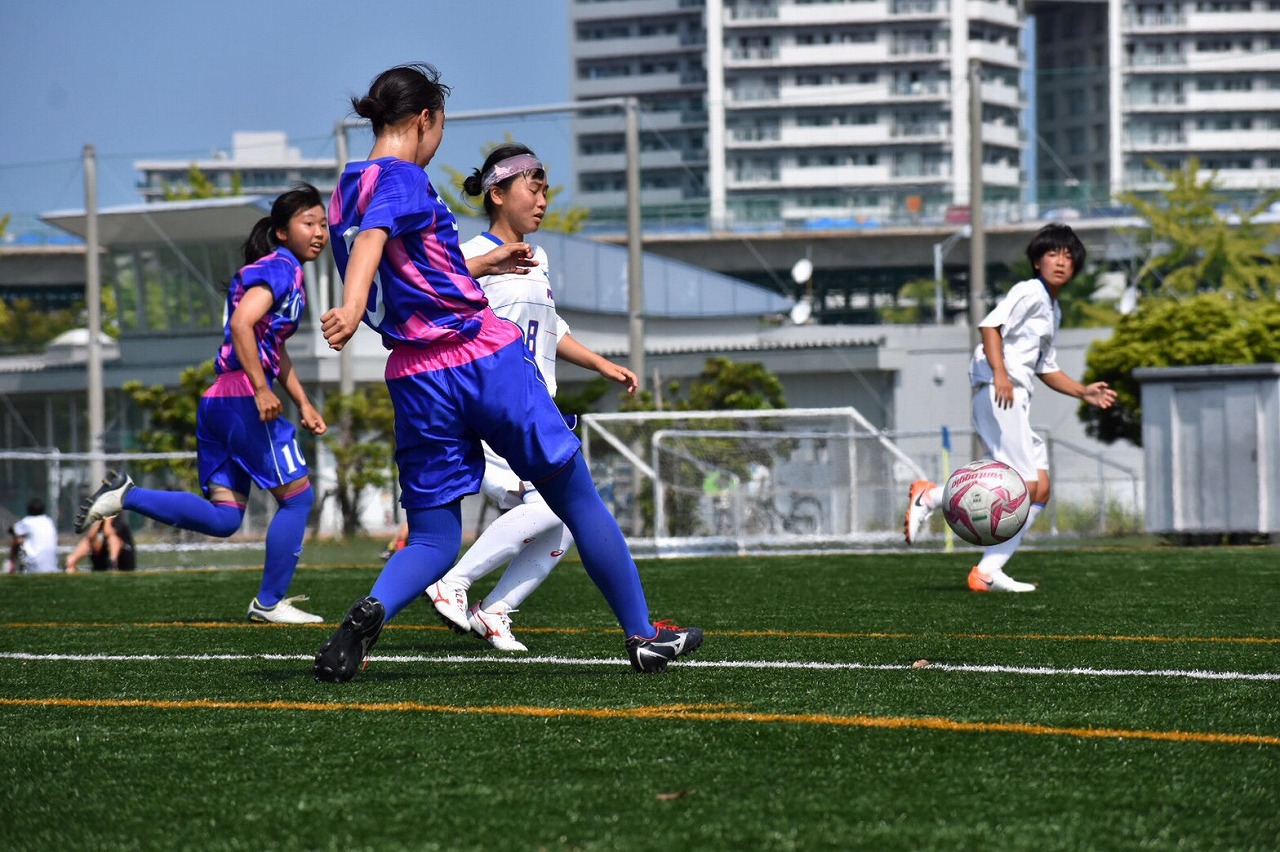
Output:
[[157, 79]]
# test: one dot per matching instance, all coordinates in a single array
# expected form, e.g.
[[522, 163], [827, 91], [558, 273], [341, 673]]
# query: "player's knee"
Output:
[[296, 496], [227, 518]]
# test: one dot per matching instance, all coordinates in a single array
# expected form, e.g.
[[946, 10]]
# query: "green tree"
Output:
[[363, 454], [568, 221], [171, 421], [26, 328], [727, 385], [1209, 328], [919, 296], [1190, 247], [723, 385], [584, 400], [198, 185]]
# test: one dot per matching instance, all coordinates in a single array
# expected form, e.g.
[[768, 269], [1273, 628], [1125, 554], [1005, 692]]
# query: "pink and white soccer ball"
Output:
[[985, 502]]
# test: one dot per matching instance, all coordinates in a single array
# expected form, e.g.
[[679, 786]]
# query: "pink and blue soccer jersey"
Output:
[[422, 292], [234, 446], [281, 272], [456, 373]]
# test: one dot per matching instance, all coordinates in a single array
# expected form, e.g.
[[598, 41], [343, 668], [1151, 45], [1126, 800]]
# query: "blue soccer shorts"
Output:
[[449, 397], [235, 449]]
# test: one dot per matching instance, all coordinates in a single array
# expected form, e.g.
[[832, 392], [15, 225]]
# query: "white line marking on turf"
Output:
[[1195, 674]]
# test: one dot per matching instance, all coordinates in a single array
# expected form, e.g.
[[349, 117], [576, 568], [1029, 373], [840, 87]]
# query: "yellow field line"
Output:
[[746, 634], [680, 712]]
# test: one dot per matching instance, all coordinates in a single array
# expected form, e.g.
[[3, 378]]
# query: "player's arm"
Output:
[[340, 323], [80, 551], [311, 419], [575, 353], [1099, 394], [506, 259], [15, 548], [993, 348], [254, 305], [114, 543]]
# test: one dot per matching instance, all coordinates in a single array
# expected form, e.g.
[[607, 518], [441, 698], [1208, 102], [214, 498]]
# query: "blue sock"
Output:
[[284, 545], [185, 510], [435, 536], [573, 497]]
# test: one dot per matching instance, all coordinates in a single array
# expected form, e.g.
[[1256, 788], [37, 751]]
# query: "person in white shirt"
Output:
[[1018, 342], [513, 184], [34, 549]]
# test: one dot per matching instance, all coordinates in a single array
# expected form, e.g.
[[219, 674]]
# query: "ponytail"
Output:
[[261, 241], [400, 92]]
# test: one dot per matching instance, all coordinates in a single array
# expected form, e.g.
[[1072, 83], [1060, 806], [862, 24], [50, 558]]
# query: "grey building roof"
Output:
[[586, 275], [592, 277]]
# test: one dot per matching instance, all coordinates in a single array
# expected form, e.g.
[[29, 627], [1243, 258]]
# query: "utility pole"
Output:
[[977, 235], [93, 301], [635, 258], [346, 381]]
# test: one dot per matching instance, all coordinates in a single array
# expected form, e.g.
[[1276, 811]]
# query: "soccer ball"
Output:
[[986, 502]]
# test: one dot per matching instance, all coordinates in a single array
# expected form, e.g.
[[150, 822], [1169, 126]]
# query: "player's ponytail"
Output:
[[262, 239], [370, 108], [259, 243], [400, 92]]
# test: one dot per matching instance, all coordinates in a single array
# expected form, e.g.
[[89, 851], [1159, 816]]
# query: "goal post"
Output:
[[786, 480]]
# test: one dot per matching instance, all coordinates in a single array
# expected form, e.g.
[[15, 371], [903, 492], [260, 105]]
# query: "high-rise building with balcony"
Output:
[[1198, 78], [798, 111], [655, 50], [1124, 87], [855, 111]]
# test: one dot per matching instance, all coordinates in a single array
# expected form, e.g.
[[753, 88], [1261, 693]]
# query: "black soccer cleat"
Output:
[[106, 502], [342, 656], [650, 656]]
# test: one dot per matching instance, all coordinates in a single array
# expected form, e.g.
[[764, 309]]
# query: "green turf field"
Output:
[[1132, 702]]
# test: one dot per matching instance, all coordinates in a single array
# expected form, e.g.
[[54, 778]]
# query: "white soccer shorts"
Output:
[[1007, 433]]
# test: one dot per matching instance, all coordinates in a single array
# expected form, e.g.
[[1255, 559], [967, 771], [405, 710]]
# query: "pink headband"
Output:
[[511, 166]]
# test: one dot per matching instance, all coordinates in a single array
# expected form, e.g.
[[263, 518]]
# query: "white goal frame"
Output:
[[831, 480]]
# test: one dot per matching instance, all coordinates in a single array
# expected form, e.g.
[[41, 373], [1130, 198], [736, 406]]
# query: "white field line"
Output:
[[1074, 671]]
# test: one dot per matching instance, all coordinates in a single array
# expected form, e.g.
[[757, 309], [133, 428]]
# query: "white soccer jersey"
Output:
[[39, 544], [527, 301], [1028, 320]]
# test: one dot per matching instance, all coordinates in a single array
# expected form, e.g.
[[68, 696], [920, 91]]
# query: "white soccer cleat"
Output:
[[917, 511], [495, 628], [450, 602], [284, 612], [106, 502], [996, 581]]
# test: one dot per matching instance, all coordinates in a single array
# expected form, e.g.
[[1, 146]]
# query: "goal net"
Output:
[[790, 480]]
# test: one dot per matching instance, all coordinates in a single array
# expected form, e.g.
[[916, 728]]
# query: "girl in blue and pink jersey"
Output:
[[457, 374], [241, 438], [513, 183]]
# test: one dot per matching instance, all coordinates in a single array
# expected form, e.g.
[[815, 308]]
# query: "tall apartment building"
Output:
[[798, 111], [264, 163], [854, 111], [1124, 84], [655, 50]]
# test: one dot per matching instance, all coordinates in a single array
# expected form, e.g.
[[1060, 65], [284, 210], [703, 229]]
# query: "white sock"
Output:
[[502, 541], [995, 556], [528, 569], [932, 498]]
